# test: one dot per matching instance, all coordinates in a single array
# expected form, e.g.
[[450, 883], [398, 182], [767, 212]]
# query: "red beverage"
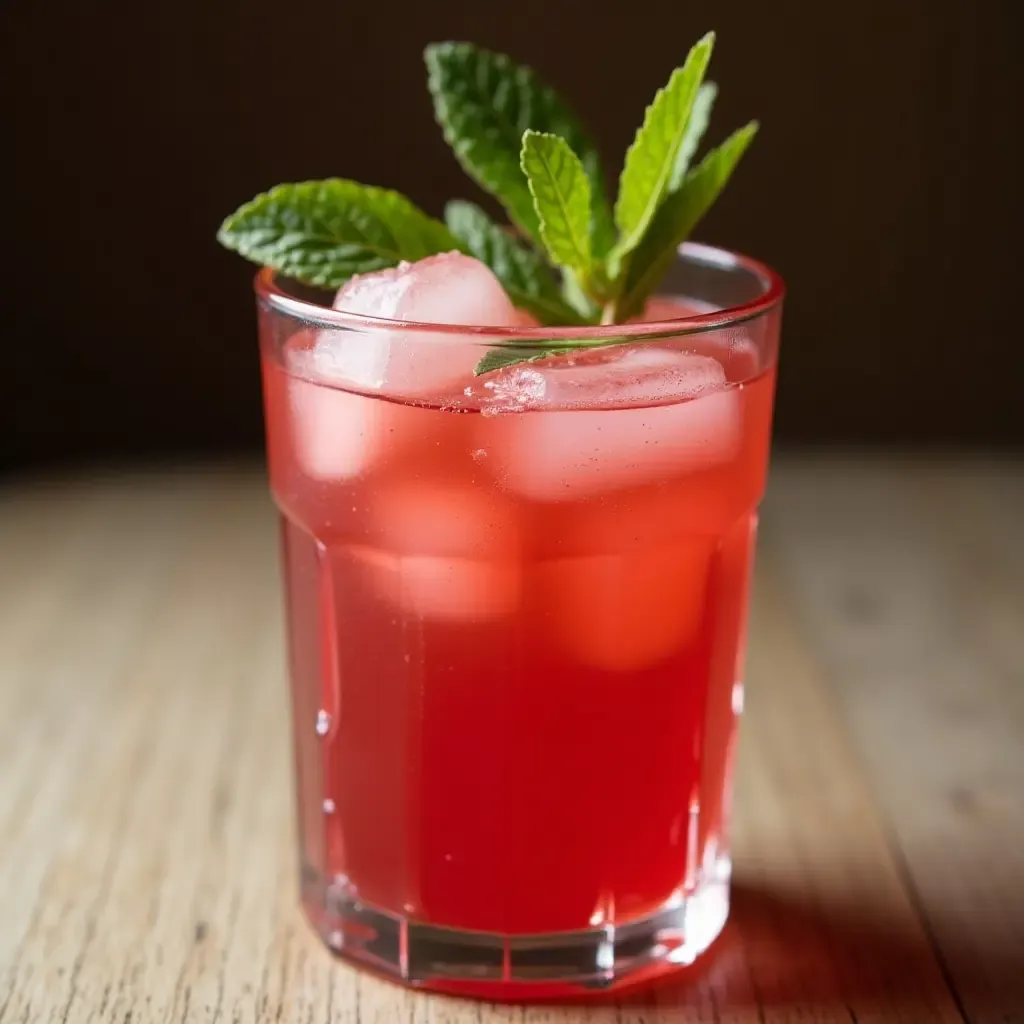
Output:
[[516, 621]]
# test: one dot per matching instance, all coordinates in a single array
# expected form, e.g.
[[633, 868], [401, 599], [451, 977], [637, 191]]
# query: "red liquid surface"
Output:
[[514, 711]]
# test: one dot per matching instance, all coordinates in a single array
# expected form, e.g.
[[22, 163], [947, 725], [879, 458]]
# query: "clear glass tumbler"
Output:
[[516, 613]]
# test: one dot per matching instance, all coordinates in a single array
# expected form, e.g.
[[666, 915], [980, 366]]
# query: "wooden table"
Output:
[[147, 867]]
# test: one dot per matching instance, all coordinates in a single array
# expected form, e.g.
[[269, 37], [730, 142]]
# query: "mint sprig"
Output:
[[570, 259]]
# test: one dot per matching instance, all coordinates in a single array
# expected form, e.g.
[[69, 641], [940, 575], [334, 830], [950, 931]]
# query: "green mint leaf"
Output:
[[513, 353], [677, 218], [700, 117], [521, 271], [323, 232], [653, 156], [561, 197], [484, 103], [510, 355]]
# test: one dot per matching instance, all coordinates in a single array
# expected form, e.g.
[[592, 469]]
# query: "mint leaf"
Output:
[[484, 103], [510, 355], [323, 232], [677, 218], [561, 197], [521, 271], [700, 117], [652, 157]]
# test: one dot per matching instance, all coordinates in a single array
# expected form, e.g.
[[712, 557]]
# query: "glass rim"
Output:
[[773, 290]]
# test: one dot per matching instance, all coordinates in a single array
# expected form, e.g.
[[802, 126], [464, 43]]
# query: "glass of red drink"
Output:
[[515, 617]]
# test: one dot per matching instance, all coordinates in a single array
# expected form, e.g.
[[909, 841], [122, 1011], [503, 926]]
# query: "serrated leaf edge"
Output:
[[629, 239]]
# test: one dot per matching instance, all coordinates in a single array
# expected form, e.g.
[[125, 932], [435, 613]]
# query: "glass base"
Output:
[[511, 967]]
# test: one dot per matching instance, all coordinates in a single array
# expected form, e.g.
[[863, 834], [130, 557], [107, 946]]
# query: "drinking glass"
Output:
[[516, 623]]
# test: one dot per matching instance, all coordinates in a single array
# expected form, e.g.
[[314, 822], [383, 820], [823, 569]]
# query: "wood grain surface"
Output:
[[147, 866]]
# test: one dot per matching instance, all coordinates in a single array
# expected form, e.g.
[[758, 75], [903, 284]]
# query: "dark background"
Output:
[[883, 186]]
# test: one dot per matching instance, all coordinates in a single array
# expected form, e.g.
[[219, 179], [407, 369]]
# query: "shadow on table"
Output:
[[786, 950]]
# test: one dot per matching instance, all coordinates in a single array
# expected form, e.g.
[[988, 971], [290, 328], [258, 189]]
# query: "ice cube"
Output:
[[445, 551], [340, 434], [741, 348], [336, 434], [444, 589], [449, 288], [617, 377], [626, 611], [735, 346], [586, 425]]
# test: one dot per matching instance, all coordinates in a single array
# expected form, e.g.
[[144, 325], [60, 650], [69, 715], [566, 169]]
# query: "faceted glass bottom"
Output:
[[509, 967]]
